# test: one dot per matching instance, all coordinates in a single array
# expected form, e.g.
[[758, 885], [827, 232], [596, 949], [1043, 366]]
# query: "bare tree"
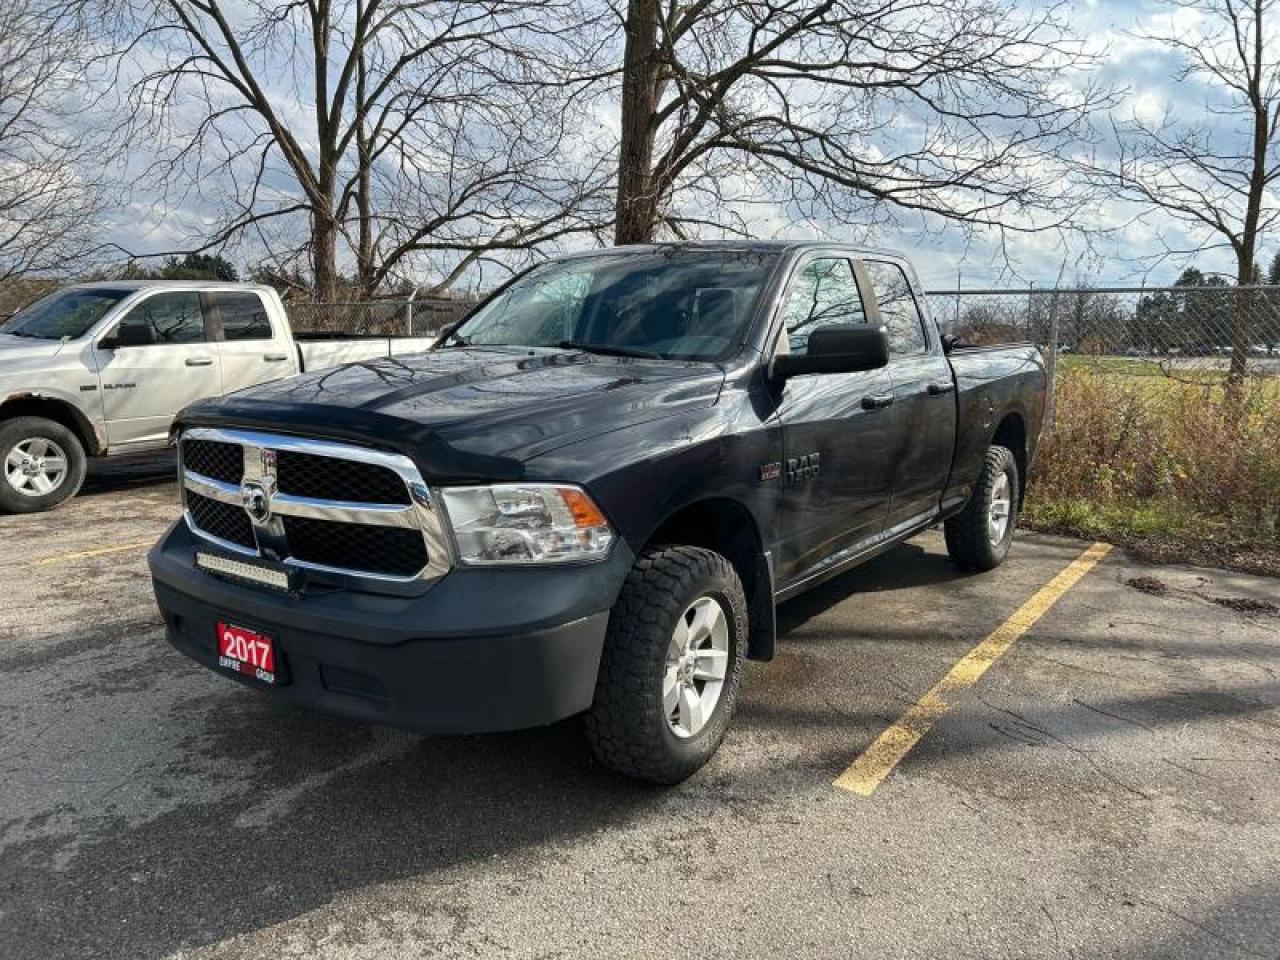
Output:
[[51, 156], [398, 130], [1215, 170], [850, 111]]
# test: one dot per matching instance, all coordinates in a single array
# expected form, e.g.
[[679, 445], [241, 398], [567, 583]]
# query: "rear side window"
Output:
[[166, 318], [243, 316], [823, 293], [898, 309]]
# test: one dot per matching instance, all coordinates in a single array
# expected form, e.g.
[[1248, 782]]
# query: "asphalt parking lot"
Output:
[[1108, 788]]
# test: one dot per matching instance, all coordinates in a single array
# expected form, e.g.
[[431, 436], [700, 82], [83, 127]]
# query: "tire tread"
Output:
[[624, 725]]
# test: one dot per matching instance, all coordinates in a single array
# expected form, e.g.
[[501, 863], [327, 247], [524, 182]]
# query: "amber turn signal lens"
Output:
[[585, 513]]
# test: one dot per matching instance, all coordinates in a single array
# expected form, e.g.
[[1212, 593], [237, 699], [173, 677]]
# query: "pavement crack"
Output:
[[1085, 755], [1113, 716]]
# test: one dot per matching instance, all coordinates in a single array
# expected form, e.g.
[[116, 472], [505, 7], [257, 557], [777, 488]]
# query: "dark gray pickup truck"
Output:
[[589, 497]]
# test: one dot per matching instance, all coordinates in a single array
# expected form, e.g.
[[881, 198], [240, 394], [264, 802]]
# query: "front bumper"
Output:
[[480, 650]]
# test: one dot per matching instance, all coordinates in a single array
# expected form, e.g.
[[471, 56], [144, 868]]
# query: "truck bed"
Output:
[[989, 381], [319, 351]]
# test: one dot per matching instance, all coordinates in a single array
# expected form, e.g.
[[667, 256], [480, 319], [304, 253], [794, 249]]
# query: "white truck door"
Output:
[[252, 348], [153, 363]]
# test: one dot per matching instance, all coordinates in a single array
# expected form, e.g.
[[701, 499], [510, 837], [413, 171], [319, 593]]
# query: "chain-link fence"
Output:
[[1164, 424], [417, 318], [1169, 330]]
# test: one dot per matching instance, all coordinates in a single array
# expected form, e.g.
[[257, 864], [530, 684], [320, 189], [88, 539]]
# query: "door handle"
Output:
[[275, 357], [877, 401], [199, 362], [938, 389]]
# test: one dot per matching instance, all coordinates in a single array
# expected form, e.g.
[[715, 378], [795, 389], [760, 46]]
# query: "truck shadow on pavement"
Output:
[[904, 567], [122, 474]]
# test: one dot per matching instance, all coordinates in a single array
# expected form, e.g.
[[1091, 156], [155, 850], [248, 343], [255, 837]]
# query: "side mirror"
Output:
[[836, 349], [127, 335]]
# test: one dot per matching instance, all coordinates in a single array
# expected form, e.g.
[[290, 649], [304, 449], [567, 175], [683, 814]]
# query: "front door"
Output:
[[160, 362], [837, 429]]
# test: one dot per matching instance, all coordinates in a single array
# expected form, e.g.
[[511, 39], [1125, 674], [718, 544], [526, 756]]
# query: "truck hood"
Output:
[[467, 414], [15, 349]]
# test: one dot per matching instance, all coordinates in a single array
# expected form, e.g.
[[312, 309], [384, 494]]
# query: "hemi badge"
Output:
[[770, 471]]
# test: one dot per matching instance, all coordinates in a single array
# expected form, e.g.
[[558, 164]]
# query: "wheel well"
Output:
[[1012, 433], [31, 405], [728, 528]]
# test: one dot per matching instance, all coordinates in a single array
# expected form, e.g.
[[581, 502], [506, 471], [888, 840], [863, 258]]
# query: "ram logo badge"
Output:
[[802, 468]]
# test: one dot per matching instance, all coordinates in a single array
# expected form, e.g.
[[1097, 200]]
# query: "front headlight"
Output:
[[526, 523]]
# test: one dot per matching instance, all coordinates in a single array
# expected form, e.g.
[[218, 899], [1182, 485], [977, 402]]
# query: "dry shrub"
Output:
[[1149, 451]]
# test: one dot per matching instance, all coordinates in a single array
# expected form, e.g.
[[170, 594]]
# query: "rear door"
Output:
[[836, 427], [923, 392], [168, 364], [250, 347]]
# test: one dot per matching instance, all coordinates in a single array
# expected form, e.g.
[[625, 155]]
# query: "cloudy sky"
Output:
[[1128, 251]]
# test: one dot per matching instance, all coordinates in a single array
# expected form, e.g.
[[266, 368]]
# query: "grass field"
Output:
[[1171, 466]]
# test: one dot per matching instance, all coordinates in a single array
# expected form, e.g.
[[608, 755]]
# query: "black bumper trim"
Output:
[[466, 685]]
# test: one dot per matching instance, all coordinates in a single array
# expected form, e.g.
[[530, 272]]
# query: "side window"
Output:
[[898, 308], [822, 294], [164, 319], [243, 316]]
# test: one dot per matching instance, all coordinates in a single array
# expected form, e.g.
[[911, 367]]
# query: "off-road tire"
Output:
[[626, 725], [967, 533], [13, 432]]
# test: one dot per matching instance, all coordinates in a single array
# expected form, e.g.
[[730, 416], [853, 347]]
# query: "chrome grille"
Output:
[[312, 504], [210, 458], [221, 520], [388, 550], [328, 478]]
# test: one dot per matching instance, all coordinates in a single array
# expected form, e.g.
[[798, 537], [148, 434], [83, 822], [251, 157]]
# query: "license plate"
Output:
[[247, 652]]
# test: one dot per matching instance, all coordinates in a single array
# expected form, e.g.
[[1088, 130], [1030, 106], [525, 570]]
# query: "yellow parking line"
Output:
[[869, 770], [85, 554]]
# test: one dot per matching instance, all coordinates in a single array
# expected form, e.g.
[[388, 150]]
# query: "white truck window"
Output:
[[243, 315], [174, 317]]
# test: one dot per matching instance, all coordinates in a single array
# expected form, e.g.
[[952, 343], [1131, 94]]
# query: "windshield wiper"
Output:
[[609, 350]]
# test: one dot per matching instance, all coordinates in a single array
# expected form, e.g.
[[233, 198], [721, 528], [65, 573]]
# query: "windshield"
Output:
[[68, 313], [676, 304]]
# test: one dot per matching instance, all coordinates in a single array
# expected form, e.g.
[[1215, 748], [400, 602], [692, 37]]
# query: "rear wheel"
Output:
[[43, 464], [978, 537], [672, 665]]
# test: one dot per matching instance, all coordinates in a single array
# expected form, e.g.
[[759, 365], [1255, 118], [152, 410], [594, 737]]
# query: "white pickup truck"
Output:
[[100, 369]]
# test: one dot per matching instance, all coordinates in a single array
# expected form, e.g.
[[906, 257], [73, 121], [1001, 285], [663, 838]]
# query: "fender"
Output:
[[92, 433]]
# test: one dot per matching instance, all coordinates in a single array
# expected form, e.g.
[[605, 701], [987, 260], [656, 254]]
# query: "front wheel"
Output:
[[672, 665], [44, 464], [978, 537]]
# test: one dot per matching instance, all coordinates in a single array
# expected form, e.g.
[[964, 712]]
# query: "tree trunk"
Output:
[[1242, 324], [1242, 327], [637, 204], [366, 270], [324, 267]]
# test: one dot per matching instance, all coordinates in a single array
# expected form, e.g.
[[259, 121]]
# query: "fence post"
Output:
[[408, 313], [1051, 362], [1031, 297]]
